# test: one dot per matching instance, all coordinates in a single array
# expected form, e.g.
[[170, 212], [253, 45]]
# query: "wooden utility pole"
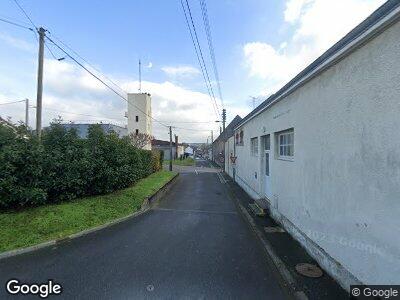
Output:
[[42, 33], [27, 113], [223, 119], [170, 148]]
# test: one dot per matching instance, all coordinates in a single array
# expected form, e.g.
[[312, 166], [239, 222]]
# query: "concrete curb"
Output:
[[279, 264], [146, 206]]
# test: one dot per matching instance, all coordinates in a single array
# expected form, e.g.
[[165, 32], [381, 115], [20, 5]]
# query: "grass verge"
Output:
[[40, 224]]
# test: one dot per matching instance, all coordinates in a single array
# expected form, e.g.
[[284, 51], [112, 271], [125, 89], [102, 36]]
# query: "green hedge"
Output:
[[63, 166]]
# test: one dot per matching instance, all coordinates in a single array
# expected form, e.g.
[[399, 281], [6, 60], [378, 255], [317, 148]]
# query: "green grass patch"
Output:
[[184, 162], [40, 224]]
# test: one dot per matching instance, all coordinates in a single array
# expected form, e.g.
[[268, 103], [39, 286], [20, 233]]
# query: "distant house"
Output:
[[164, 146], [219, 143], [188, 151], [82, 128]]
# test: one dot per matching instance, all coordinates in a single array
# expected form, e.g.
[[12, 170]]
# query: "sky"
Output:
[[259, 45]]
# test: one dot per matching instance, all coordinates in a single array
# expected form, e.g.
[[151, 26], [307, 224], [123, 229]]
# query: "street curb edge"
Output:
[[146, 206]]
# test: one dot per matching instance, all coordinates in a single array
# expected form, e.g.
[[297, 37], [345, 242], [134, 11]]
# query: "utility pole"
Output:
[[27, 113], [212, 148], [42, 33], [223, 118], [170, 148]]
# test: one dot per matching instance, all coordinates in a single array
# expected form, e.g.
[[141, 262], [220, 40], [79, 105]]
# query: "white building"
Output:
[[139, 112], [324, 154]]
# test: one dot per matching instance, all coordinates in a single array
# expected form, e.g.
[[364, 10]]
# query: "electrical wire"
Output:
[[15, 24], [26, 15], [6, 103], [85, 60], [211, 47], [102, 81], [199, 55], [73, 113]]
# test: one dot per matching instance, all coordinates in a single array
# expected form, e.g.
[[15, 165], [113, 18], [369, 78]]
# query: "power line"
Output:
[[207, 82], [85, 60], [26, 15], [15, 24], [78, 114], [201, 54], [12, 102], [102, 81], [211, 47]]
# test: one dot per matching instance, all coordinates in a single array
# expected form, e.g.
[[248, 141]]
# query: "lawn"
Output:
[[184, 162], [40, 224]]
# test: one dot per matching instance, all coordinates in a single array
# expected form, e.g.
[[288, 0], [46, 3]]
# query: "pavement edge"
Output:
[[146, 206], [277, 262]]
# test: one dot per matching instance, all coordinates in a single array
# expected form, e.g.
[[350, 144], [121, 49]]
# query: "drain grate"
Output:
[[273, 229], [309, 270]]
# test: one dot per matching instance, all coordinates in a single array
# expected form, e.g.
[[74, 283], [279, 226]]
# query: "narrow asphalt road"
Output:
[[194, 244]]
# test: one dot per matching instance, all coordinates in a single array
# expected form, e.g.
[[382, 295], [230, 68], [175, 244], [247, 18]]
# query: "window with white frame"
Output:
[[286, 144], [254, 146]]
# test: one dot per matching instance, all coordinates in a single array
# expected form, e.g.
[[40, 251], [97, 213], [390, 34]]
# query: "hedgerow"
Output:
[[63, 166]]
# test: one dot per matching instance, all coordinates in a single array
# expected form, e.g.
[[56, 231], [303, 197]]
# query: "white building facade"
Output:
[[139, 115], [324, 154]]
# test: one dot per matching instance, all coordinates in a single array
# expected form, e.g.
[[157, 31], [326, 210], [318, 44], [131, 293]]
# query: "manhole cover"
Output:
[[273, 229], [309, 270], [150, 287]]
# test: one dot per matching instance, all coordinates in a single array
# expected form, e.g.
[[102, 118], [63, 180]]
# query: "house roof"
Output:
[[378, 15], [156, 142], [228, 132]]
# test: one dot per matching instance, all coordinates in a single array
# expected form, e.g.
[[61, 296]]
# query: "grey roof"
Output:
[[370, 21], [229, 130]]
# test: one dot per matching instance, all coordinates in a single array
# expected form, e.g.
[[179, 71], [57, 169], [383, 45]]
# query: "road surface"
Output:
[[194, 244]]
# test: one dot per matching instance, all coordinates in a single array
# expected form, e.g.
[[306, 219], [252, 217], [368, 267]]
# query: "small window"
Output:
[[241, 137], [137, 131], [286, 145], [237, 138], [254, 146], [137, 118]]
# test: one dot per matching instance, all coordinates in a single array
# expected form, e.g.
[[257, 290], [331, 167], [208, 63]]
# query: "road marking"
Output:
[[197, 211], [196, 172]]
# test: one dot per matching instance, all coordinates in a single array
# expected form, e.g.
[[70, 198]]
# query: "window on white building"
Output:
[[254, 146], [286, 144], [137, 118]]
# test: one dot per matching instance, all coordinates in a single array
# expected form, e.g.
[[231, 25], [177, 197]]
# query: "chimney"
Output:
[[176, 147]]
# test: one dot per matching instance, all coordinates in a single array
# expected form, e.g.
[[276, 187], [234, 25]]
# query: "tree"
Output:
[[140, 140]]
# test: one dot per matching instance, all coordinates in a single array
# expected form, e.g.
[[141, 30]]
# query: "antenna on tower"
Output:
[[140, 76]]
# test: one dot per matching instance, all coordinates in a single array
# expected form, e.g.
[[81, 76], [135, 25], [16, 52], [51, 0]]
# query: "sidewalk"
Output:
[[287, 251]]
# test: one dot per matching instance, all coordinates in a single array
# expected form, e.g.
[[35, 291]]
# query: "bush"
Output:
[[64, 166]]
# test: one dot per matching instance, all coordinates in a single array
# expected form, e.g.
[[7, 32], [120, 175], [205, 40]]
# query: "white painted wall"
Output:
[[342, 191], [139, 104], [229, 150]]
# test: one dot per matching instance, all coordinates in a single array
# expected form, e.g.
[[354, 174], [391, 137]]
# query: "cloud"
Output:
[[149, 65], [316, 27], [183, 71], [17, 43], [73, 94]]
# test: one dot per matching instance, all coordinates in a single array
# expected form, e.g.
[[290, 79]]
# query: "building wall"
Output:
[[340, 195], [139, 106], [166, 151], [229, 150]]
